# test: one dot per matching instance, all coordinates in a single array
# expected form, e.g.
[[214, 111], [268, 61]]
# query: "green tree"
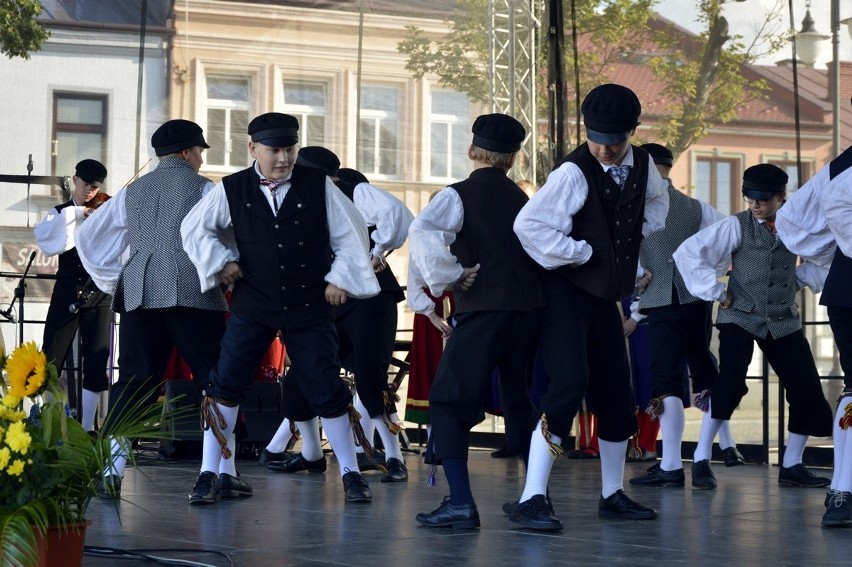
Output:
[[20, 32]]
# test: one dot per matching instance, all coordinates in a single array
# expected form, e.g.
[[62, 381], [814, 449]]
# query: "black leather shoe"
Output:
[[799, 475], [462, 516], [839, 512], [365, 464], [297, 463], [732, 457], [619, 505], [502, 452], [656, 476], [509, 507], [535, 514], [397, 472], [109, 488], [206, 489], [267, 457], [233, 486], [702, 475], [356, 488]]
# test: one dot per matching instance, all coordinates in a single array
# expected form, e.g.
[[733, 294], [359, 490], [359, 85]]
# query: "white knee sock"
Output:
[[389, 440], [726, 438], [366, 422], [795, 449], [118, 449], [229, 466], [540, 463], [90, 409], [842, 476], [671, 424], [281, 439], [211, 451], [311, 446], [709, 428], [613, 454], [339, 433]]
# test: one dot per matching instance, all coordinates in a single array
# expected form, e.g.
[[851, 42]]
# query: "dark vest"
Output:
[[508, 279], [611, 222], [284, 258], [836, 291], [387, 279], [72, 279]]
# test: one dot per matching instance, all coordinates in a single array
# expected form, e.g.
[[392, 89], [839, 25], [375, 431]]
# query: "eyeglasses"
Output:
[[759, 202]]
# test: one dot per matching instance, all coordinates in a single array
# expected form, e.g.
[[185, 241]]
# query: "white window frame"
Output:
[[450, 153]]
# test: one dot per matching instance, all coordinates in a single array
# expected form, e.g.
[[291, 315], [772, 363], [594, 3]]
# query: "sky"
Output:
[[743, 18]]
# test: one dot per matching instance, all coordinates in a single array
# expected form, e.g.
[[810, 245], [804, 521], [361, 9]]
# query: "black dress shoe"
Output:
[[839, 512], [732, 457], [619, 505], [502, 452], [535, 514], [397, 472], [267, 457], [365, 464], [702, 475], [109, 488], [799, 475], [206, 489], [356, 488], [509, 507], [233, 486], [461, 516], [656, 476], [297, 463]]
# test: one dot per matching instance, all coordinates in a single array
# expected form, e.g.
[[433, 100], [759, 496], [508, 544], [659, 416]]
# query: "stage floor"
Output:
[[302, 520]]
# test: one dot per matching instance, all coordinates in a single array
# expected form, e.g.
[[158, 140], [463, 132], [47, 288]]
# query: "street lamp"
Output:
[[808, 39]]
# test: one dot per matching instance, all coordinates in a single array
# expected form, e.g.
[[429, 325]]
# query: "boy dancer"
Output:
[[294, 248], [499, 303], [759, 305]]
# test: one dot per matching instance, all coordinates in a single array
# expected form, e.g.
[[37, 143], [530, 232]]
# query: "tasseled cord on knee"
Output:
[[394, 428], [213, 420], [846, 418], [702, 400], [633, 450], [360, 438], [555, 449], [656, 408]]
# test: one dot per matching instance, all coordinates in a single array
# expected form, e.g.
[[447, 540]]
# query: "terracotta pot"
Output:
[[62, 547]]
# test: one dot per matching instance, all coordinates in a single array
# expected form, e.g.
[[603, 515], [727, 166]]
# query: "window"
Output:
[[716, 184], [228, 111], [309, 103], [378, 131], [792, 171], [79, 130], [450, 135]]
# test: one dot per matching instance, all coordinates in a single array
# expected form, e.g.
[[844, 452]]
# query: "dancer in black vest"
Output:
[[585, 225], [294, 248], [499, 306], [814, 224], [76, 303], [758, 306]]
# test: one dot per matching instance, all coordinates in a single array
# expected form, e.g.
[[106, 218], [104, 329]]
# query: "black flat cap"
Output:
[[610, 113], [659, 153], [320, 158], [177, 135], [91, 171], [275, 130], [764, 181], [498, 133], [352, 176]]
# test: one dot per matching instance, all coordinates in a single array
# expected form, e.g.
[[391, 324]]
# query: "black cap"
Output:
[[659, 153], [498, 133], [91, 171], [275, 130], [610, 113], [321, 158], [177, 135], [352, 176], [764, 181]]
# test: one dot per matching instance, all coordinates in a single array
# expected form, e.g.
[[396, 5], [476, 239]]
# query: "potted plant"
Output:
[[49, 465]]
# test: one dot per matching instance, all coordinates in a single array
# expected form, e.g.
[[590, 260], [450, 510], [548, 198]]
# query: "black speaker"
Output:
[[181, 421]]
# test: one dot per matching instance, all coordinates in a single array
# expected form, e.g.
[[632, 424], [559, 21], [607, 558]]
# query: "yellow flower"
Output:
[[9, 415], [17, 438], [11, 402], [26, 369], [16, 468], [4, 457]]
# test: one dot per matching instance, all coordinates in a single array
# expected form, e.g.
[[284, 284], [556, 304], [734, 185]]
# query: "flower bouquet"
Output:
[[49, 465]]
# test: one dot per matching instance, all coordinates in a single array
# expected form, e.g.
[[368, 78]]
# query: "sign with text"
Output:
[[13, 260]]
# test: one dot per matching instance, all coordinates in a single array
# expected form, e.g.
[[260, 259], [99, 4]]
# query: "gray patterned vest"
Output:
[[762, 283], [682, 221], [159, 273]]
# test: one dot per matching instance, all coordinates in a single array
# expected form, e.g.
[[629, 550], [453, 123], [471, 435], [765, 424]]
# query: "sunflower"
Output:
[[26, 370], [18, 439]]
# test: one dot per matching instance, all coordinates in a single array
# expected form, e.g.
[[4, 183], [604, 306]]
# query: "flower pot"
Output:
[[62, 546]]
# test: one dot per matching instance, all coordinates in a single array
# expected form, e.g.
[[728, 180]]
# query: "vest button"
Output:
[[299, 206], [303, 265], [276, 226], [281, 267], [280, 246], [301, 244], [295, 222], [304, 286], [248, 205], [283, 288], [285, 308]]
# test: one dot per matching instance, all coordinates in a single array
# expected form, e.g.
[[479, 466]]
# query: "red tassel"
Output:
[[846, 420]]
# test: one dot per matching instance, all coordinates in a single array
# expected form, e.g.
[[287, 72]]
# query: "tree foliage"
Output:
[[20, 32]]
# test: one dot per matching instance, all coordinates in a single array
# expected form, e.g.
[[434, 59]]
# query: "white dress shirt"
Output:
[[430, 236], [388, 214], [55, 232]]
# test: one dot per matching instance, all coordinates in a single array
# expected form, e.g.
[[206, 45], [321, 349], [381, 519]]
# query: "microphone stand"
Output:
[[29, 179], [20, 292]]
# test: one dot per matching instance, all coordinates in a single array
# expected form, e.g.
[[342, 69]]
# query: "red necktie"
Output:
[[273, 190], [770, 224]]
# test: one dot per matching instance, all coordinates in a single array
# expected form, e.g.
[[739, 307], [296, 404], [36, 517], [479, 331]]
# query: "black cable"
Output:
[[144, 554]]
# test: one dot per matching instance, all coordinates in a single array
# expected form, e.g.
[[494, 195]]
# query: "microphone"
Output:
[[7, 314]]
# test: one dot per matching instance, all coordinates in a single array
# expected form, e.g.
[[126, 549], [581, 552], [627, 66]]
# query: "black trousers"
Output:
[[584, 349], [840, 320], [679, 337], [146, 340], [791, 358], [480, 342]]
